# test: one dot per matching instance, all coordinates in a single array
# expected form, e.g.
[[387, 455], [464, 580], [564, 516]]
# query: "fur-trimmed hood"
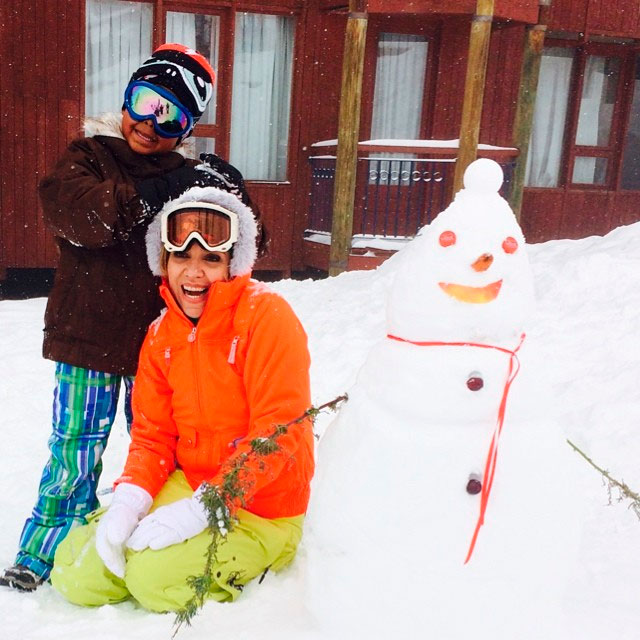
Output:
[[110, 124], [244, 249]]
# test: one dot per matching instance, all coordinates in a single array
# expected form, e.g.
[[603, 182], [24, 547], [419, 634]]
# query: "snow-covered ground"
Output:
[[587, 326]]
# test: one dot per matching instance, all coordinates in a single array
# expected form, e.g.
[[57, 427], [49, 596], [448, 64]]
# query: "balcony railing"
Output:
[[395, 197]]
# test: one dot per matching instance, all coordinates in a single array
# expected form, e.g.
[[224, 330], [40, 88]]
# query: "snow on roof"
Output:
[[362, 241], [425, 144]]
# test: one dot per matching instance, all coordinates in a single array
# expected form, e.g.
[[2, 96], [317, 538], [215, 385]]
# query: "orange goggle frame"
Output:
[[213, 226]]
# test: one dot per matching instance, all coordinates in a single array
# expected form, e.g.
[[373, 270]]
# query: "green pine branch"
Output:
[[625, 492], [232, 490]]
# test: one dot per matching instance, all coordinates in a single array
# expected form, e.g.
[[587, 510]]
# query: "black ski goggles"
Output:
[[145, 101], [213, 226]]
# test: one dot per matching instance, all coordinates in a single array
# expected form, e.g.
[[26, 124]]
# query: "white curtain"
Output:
[[589, 170], [596, 113], [547, 136], [262, 69], [398, 96], [118, 40], [181, 28], [399, 89], [202, 33], [597, 101]]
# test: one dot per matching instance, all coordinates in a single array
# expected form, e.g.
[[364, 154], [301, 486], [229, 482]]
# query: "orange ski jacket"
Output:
[[203, 392]]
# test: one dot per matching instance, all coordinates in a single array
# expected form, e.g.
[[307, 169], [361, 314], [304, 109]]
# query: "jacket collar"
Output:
[[223, 295], [109, 125]]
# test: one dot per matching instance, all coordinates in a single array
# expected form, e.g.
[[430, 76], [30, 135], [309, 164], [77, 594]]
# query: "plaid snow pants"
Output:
[[84, 408]]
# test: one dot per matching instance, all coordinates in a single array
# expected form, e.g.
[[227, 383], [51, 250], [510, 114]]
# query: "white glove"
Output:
[[129, 504], [174, 523]]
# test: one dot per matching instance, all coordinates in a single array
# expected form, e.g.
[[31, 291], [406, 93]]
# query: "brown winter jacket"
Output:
[[104, 296]]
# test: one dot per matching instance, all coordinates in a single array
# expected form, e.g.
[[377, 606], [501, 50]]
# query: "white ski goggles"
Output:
[[213, 226]]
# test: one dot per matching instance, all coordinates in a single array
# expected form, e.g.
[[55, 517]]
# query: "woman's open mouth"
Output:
[[194, 293]]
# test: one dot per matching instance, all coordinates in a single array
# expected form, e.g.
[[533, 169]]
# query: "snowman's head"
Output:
[[466, 275]]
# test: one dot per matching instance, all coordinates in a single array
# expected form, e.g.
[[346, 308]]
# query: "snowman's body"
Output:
[[394, 468]]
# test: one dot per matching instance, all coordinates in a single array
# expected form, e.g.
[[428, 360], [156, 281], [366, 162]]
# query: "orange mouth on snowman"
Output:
[[473, 295]]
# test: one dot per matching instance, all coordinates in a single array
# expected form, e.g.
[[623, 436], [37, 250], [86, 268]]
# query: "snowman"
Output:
[[437, 481]]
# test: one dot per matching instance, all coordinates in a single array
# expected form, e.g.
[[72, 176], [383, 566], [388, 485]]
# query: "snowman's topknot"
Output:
[[483, 176]]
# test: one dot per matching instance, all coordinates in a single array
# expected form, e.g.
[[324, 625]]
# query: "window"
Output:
[[118, 39], [630, 178], [202, 32], [550, 118], [401, 67], [262, 73], [601, 77], [578, 120], [400, 75], [248, 118]]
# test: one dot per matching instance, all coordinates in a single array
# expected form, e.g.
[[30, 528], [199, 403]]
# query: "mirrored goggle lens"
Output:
[[214, 227], [169, 117]]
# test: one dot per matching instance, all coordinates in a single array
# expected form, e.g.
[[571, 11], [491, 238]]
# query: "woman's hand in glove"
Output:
[[129, 504], [171, 524]]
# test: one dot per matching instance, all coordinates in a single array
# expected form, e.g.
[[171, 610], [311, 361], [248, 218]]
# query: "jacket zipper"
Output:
[[192, 339], [232, 352]]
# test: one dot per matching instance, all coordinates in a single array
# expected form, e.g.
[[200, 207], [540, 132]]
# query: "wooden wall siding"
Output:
[[317, 113], [257, 7], [317, 116], [276, 202], [610, 17], [568, 15], [332, 5], [626, 208], [501, 85], [616, 17], [613, 209], [322, 106], [452, 64], [40, 104], [585, 213], [519, 10], [502, 80], [541, 214], [548, 214]]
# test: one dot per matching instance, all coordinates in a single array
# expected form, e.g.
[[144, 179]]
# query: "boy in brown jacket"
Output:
[[98, 202]]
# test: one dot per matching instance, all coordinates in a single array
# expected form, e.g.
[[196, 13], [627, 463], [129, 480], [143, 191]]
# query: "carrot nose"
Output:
[[483, 262]]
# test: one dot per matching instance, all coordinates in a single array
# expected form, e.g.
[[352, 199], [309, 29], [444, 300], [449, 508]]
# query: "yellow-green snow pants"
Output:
[[158, 579]]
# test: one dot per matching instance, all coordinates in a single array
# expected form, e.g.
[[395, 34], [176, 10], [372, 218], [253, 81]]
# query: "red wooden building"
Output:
[[279, 68]]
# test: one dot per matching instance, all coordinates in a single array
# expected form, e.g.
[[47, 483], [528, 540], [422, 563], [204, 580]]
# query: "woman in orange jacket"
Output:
[[225, 364]]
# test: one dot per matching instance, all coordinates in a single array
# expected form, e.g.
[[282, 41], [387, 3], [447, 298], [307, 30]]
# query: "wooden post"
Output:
[[348, 130], [474, 88], [534, 42]]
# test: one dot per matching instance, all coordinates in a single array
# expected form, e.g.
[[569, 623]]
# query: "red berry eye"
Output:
[[510, 245], [447, 238]]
